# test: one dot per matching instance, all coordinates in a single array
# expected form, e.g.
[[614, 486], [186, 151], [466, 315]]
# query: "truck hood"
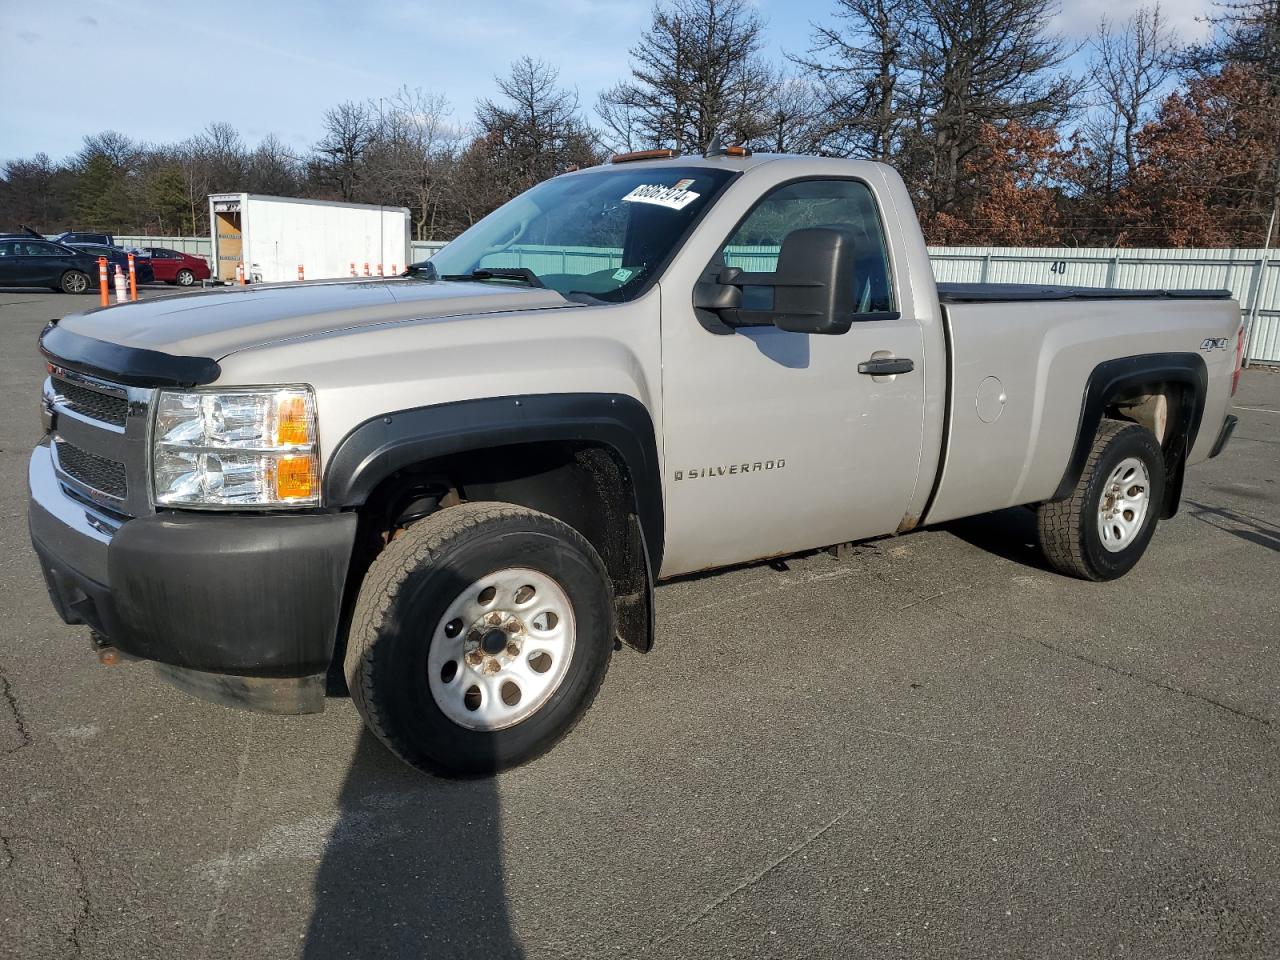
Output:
[[221, 322]]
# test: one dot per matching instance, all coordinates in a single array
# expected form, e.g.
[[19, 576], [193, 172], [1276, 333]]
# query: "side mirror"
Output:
[[813, 289]]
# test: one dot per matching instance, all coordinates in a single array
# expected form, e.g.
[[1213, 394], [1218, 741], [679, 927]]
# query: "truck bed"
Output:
[[1018, 378], [1022, 292]]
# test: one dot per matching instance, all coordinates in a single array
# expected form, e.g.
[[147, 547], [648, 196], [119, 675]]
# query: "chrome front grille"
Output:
[[100, 475], [100, 439], [94, 404]]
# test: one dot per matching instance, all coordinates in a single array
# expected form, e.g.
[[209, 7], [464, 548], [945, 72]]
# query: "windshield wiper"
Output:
[[498, 273]]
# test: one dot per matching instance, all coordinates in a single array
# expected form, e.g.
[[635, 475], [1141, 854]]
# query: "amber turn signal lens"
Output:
[[644, 155], [293, 427], [295, 477]]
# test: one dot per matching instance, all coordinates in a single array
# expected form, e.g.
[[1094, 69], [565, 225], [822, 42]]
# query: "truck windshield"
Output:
[[598, 235]]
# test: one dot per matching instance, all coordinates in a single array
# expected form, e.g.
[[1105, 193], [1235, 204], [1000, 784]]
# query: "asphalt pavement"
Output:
[[932, 746]]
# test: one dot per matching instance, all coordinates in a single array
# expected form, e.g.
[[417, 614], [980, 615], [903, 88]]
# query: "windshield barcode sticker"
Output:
[[674, 198]]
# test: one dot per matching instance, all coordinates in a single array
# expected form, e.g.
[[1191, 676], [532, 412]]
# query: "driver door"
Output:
[[773, 441]]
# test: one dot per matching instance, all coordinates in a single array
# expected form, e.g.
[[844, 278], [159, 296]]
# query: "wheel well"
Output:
[[584, 485], [1164, 392], [1168, 411], [1154, 406]]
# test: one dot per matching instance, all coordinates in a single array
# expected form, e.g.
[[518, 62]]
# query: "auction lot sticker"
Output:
[[673, 198]]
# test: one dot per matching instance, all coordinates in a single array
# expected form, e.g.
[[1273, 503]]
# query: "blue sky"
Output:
[[276, 66]]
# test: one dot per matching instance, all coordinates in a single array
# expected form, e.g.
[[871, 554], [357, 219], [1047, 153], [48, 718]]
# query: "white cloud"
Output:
[[1079, 18]]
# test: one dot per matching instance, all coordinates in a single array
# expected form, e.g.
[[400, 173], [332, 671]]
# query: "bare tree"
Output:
[[983, 62], [534, 132], [225, 154], [623, 123], [697, 72], [194, 167], [116, 148], [272, 168], [792, 118], [1246, 33], [860, 63], [34, 191], [1131, 67], [349, 130], [411, 160]]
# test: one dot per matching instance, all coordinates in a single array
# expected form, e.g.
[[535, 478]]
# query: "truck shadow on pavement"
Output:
[[412, 867], [1252, 529], [1010, 534]]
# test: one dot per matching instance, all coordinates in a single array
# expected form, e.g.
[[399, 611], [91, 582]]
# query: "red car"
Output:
[[173, 266]]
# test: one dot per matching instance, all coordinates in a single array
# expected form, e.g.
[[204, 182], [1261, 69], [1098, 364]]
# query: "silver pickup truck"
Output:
[[462, 484]]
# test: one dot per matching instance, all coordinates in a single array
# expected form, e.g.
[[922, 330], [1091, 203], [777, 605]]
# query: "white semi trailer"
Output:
[[274, 236]]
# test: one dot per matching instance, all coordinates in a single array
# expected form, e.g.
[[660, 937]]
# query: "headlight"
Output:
[[236, 448]]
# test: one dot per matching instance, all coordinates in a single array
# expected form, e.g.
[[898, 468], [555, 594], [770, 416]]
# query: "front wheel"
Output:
[[185, 278], [74, 281], [1101, 531], [480, 637]]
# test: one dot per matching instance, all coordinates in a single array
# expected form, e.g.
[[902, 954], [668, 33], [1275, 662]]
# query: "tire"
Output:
[[415, 672], [1101, 530], [74, 282], [184, 278]]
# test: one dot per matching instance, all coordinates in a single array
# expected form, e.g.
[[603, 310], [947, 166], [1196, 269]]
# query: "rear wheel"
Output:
[[74, 281], [1101, 531], [479, 638], [185, 278]]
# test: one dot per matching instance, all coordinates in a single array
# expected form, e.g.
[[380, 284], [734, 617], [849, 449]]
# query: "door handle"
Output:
[[886, 366]]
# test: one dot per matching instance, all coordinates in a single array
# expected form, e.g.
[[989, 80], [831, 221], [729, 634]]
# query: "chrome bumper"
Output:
[[69, 528]]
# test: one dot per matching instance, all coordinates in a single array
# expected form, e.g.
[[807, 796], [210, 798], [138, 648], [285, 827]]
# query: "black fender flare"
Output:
[[1112, 380], [379, 446]]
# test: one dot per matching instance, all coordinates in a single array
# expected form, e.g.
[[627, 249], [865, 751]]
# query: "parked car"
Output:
[[24, 233], [26, 262], [463, 484], [174, 266], [119, 256], [105, 239]]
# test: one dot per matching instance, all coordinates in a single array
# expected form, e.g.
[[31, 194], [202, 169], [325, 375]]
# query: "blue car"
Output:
[[29, 262], [119, 255], [72, 238]]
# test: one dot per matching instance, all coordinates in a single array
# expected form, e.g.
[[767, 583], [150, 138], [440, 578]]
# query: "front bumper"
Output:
[[241, 609]]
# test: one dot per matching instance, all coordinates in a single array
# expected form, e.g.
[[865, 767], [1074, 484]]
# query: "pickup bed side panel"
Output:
[[1019, 373]]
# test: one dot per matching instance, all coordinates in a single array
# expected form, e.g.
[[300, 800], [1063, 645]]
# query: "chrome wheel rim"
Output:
[[77, 282], [501, 649], [186, 278], [1123, 507]]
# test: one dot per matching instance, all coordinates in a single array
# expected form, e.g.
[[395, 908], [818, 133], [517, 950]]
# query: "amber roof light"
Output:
[[644, 155], [737, 150]]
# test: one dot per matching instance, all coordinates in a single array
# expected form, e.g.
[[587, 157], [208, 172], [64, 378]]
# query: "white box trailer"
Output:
[[274, 236]]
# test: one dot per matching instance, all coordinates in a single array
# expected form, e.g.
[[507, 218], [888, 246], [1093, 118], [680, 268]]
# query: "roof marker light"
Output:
[[644, 155], [714, 149]]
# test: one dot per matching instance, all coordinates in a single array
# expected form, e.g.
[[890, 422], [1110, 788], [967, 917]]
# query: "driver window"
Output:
[[754, 246]]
